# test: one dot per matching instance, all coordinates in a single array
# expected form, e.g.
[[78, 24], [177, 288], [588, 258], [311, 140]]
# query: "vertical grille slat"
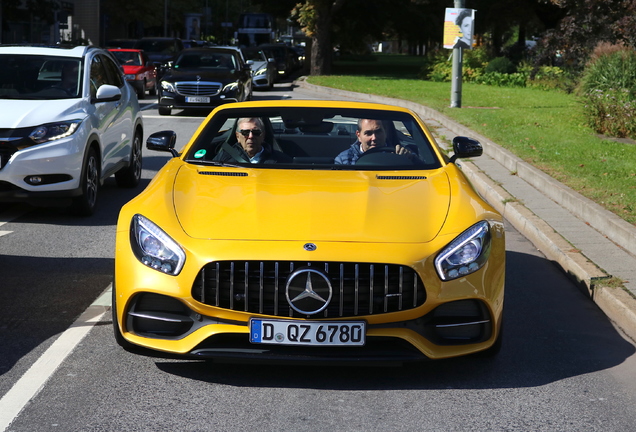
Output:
[[358, 289]]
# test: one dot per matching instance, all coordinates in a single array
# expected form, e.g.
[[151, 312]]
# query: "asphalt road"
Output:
[[563, 366]]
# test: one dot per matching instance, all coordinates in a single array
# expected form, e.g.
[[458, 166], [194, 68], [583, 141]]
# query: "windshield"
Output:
[[314, 138], [39, 77], [205, 60], [128, 58]]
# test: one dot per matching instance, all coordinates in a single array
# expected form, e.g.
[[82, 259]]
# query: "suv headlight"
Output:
[[54, 131], [154, 248], [466, 254]]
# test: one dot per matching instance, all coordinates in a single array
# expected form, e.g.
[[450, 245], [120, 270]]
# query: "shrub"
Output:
[[608, 91], [501, 65]]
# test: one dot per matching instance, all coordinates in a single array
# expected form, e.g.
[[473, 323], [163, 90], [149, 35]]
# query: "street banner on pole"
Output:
[[458, 28]]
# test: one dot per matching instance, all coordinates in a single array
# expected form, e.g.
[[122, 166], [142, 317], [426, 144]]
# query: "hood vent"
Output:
[[398, 177], [224, 173]]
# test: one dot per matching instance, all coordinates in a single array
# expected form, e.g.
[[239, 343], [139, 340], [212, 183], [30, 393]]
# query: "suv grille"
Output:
[[357, 288], [194, 88]]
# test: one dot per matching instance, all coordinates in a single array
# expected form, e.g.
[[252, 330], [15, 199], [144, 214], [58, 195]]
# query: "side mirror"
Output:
[[107, 93], [163, 141], [465, 147]]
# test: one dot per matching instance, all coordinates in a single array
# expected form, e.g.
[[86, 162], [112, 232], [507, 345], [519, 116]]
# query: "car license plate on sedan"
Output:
[[197, 99], [288, 332]]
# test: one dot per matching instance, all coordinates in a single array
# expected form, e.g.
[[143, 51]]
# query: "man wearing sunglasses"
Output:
[[250, 146]]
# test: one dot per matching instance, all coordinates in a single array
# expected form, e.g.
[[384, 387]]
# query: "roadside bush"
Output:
[[500, 65], [608, 91]]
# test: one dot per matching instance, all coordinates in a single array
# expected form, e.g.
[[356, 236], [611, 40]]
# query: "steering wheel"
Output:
[[375, 150]]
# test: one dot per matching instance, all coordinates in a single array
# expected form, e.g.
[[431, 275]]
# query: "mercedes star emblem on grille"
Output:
[[310, 247], [308, 291]]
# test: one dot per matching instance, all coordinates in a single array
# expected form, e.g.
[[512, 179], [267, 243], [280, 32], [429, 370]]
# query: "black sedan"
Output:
[[203, 78]]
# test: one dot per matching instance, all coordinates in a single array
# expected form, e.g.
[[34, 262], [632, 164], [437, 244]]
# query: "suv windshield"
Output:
[[315, 138], [39, 77]]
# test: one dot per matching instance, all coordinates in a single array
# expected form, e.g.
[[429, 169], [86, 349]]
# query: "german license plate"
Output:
[[197, 99], [289, 332]]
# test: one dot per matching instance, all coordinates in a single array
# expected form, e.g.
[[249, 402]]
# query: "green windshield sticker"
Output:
[[199, 154]]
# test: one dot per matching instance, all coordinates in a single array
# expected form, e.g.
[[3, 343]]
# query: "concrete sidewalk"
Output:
[[596, 248]]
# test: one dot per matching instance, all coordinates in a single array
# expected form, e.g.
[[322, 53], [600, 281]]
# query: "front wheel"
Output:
[[84, 205], [129, 177]]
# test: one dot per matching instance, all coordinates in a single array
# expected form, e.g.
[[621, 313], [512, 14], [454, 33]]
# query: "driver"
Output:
[[371, 135]]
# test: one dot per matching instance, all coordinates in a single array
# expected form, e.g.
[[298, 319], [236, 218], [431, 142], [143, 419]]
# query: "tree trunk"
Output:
[[321, 49]]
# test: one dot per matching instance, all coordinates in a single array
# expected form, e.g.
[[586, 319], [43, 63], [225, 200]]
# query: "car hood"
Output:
[[259, 65], [268, 204], [206, 75], [27, 113]]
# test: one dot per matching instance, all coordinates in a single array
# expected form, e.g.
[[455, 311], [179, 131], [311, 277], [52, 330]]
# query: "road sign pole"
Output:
[[456, 79]]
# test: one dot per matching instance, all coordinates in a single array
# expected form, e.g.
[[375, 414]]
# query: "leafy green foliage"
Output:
[[500, 65], [608, 89]]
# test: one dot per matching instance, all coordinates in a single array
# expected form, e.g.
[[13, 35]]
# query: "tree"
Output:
[[585, 24], [316, 17]]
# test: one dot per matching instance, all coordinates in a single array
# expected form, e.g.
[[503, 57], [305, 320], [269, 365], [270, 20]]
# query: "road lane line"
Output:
[[30, 384]]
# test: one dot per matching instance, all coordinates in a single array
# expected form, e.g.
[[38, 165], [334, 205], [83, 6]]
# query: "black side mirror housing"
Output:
[[163, 141], [465, 147]]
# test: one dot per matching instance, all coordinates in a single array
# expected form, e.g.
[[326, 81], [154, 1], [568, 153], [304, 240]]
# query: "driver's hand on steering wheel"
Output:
[[402, 150]]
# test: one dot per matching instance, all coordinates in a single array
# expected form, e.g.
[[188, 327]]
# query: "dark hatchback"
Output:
[[202, 78]]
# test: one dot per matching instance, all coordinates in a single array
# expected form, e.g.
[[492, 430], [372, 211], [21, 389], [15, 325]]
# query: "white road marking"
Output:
[[30, 384], [13, 213]]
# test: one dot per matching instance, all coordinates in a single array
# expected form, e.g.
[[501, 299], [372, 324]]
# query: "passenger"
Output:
[[250, 146], [371, 135]]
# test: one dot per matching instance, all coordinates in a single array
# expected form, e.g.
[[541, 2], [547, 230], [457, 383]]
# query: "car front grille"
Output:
[[198, 88], [357, 289]]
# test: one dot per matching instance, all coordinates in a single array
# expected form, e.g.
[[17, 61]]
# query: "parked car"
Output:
[[392, 258], [69, 121], [139, 70], [205, 78], [286, 58], [263, 68], [161, 50]]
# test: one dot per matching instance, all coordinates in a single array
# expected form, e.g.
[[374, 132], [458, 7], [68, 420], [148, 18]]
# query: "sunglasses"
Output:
[[246, 132]]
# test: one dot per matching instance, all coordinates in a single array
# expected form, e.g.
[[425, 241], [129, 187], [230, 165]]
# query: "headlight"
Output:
[[54, 131], [230, 87], [154, 248], [466, 254], [260, 72], [167, 86]]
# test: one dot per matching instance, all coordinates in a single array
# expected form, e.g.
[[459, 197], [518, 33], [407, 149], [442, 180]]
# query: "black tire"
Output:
[[141, 94], [164, 111], [153, 90], [85, 204], [129, 177]]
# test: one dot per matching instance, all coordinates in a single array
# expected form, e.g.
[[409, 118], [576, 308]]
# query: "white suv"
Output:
[[69, 121]]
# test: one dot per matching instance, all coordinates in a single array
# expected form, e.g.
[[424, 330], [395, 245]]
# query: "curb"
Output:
[[616, 303]]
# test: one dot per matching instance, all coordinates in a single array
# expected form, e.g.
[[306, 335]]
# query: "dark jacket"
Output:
[[269, 155]]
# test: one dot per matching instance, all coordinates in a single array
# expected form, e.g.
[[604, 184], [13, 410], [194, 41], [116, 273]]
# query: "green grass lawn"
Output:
[[544, 128]]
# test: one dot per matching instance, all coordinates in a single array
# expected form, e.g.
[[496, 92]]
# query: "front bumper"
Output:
[[167, 314]]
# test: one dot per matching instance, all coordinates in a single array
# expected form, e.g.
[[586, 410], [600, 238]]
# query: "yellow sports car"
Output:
[[310, 230]]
